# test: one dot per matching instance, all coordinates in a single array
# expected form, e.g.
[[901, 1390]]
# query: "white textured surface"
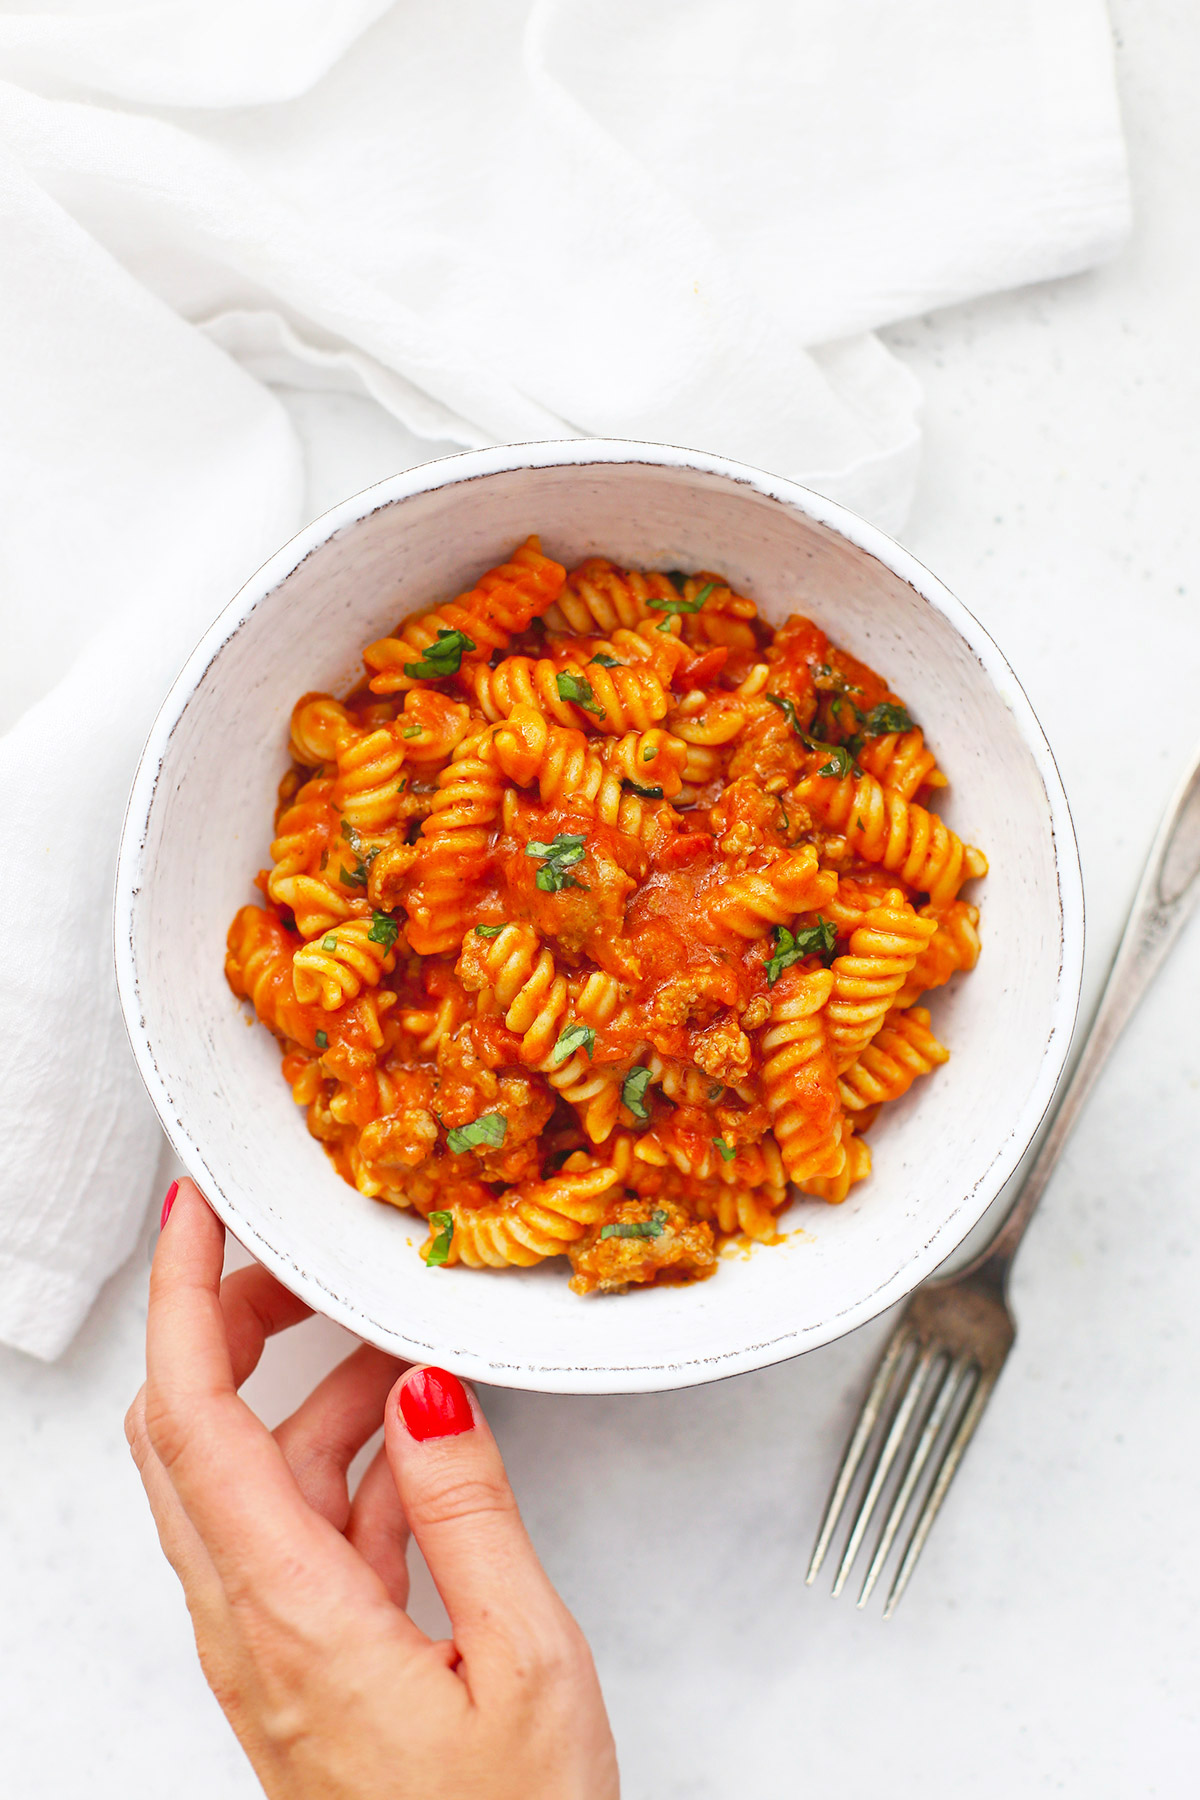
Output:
[[1050, 1642], [196, 831]]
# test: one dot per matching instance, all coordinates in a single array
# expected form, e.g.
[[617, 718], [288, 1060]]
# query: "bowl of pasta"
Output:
[[598, 917]]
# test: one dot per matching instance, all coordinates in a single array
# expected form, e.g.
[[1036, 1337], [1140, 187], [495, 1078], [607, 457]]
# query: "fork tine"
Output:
[[909, 1401], [856, 1448], [943, 1401], [937, 1493]]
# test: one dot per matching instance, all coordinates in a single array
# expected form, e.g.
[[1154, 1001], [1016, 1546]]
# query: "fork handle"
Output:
[[1166, 895]]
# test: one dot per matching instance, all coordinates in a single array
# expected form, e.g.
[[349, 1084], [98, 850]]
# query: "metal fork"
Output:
[[944, 1358]]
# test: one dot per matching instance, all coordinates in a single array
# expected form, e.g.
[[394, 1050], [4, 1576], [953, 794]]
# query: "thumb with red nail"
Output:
[[297, 1588]]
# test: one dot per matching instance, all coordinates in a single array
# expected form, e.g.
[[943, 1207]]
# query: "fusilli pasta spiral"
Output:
[[881, 827]]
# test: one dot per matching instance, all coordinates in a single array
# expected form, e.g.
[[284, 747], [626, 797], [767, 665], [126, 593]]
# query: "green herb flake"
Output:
[[725, 1151], [649, 752], [605, 662], [831, 681], [384, 930], [490, 1129], [885, 718], [442, 657], [787, 708], [644, 793], [575, 1037], [816, 940], [324, 861], [551, 880], [488, 931], [412, 731], [636, 1228], [633, 1090], [677, 579], [322, 1040], [808, 738], [329, 943], [681, 605], [579, 689], [840, 763], [567, 847], [357, 876], [442, 1236], [559, 855]]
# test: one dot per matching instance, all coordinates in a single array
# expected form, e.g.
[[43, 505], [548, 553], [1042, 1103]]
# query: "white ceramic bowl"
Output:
[[199, 824]]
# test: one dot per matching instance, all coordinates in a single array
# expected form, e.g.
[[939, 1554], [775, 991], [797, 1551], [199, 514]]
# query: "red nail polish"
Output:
[[168, 1203], [435, 1405]]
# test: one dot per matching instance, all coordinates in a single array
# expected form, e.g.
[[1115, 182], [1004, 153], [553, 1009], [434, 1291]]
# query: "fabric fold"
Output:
[[503, 221]]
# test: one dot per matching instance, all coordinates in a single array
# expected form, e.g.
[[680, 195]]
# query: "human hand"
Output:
[[297, 1592]]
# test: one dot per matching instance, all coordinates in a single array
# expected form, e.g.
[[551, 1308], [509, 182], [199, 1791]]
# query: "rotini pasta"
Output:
[[597, 919]]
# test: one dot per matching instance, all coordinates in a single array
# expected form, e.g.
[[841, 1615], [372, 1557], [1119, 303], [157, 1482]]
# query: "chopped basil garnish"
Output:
[[357, 876], [442, 1223], [787, 708], [832, 681], [840, 763], [324, 861], [442, 657], [488, 930], [412, 731], [384, 930], [579, 689], [551, 880], [681, 605], [841, 758], [489, 1129], [329, 943], [633, 1090], [636, 1228], [816, 940], [725, 1151], [649, 752], [883, 719], [322, 1040], [605, 662], [559, 855], [566, 847], [645, 793], [677, 579], [572, 1039]]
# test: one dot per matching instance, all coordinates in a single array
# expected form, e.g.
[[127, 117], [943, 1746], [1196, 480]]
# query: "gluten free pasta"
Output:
[[599, 916]]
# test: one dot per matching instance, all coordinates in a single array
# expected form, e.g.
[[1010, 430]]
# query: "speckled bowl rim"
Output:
[[581, 453]]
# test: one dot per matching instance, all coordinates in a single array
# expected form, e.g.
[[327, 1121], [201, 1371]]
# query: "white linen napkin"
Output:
[[499, 220]]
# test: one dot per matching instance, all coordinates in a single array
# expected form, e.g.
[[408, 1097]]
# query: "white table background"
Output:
[[1049, 1642]]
